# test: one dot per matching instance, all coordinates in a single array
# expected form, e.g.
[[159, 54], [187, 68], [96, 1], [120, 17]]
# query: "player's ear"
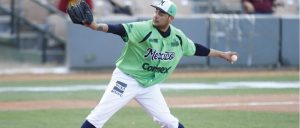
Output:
[[171, 18]]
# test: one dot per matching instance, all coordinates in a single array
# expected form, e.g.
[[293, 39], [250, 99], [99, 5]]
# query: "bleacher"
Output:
[[28, 31], [191, 7]]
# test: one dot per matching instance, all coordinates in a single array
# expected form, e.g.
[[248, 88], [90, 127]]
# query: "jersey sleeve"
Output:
[[135, 31], [117, 29], [188, 46]]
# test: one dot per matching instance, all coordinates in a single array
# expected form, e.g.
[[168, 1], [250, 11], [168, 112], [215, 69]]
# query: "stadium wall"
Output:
[[261, 40]]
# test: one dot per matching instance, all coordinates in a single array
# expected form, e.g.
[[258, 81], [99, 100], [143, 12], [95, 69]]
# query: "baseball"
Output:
[[234, 58]]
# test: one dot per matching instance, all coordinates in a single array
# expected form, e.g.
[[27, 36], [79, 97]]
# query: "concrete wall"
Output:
[[290, 41], [261, 41], [92, 49], [256, 39], [197, 30]]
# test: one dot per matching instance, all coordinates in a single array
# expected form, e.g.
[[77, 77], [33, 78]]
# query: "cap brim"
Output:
[[159, 9]]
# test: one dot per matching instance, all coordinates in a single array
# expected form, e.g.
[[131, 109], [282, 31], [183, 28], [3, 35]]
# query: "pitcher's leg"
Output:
[[87, 124], [154, 103], [118, 93]]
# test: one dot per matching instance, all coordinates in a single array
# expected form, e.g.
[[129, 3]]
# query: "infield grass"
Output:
[[129, 117], [96, 95], [137, 118], [65, 80]]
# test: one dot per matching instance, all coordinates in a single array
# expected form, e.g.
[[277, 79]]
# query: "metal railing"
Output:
[[17, 20]]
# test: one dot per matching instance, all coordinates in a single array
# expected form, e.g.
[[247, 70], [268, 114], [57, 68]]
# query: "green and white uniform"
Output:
[[148, 57]]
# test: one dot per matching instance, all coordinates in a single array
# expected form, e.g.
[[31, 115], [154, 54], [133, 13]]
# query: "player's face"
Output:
[[161, 19]]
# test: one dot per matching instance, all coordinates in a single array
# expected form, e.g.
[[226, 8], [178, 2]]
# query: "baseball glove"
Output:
[[80, 12]]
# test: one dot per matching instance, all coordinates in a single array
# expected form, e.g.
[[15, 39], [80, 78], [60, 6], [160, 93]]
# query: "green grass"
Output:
[[52, 82], [292, 77], [170, 80], [137, 118], [227, 92], [96, 95], [37, 96], [199, 118], [42, 118], [195, 79]]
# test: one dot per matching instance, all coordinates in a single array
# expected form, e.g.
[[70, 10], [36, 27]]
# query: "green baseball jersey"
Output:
[[150, 58]]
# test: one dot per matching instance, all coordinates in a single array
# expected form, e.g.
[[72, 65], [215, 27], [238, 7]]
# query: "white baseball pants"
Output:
[[121, 89]]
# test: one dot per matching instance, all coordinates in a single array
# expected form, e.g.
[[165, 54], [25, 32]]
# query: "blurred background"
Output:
[[53, 72], [37, 34]]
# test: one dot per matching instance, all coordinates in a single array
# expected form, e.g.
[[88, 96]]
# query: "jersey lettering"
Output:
[[150, 68], [159, 55]]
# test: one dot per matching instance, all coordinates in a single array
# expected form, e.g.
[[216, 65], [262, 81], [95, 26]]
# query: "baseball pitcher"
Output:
[[153, 49]]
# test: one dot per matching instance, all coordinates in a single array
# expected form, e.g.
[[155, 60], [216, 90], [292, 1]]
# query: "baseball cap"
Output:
[[166, 6]]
